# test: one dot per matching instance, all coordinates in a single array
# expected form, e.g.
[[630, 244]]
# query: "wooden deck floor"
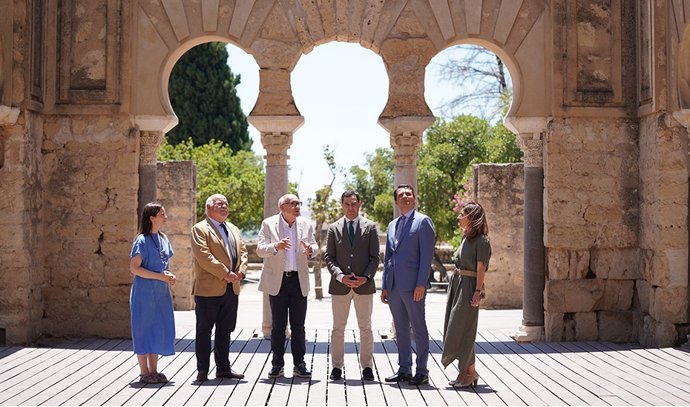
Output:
[[104, 372]]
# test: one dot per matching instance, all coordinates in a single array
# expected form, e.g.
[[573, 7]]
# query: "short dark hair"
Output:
[[348, 193], [402, 186]]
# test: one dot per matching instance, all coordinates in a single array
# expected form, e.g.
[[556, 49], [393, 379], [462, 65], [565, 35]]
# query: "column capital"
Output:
[[8, 115], [528, 131], [161, 124], [406, 136], [276, 124], [276, 145], [149, 143]]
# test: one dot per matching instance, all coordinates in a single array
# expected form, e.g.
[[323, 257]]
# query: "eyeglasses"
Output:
[[294, 204]]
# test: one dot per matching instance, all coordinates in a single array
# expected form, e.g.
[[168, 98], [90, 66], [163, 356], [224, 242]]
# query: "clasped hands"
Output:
[[284, 244], [233, 277], [353, 280]]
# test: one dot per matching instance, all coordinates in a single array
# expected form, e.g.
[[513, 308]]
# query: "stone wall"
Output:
[[90, 180], [177, 192], [499, 189], [661, 292], [590, 228]]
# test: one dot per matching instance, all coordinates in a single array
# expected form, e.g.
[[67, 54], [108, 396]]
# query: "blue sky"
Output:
[[340, 89]]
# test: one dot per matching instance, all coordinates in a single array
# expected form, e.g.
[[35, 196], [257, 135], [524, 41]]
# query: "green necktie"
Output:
[[351, 231]]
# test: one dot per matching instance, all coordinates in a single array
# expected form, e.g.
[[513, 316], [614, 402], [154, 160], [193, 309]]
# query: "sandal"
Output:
[[161, 378], [151, 378]]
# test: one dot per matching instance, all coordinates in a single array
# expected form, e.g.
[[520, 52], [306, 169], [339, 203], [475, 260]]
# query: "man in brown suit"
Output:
[[220, 262], [352, 257]]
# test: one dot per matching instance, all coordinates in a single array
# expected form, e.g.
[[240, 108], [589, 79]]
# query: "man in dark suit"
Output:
[[219, 263], [352, 257], [406, 264]]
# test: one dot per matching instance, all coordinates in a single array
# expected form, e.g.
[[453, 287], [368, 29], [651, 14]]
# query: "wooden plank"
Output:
[[254, 362], [373, 393], [320, 369], [263, 387], [411, 394], [385, 366], [638, 377], [33, 371], [5, 351], [336, 389], [465, 396], [51, 381], [561, 374], [550, 390], [577, 361], [279, 394], [85, 378], [352, 372], [299, 394]]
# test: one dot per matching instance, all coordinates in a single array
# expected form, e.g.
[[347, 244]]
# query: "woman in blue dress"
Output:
[[151, 307]]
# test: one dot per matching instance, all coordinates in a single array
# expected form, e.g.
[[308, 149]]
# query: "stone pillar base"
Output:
[[529, 334]]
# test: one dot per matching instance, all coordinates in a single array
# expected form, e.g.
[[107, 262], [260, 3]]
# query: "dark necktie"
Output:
[[231, 244], [351, 230], [224, 229], [399, 228]]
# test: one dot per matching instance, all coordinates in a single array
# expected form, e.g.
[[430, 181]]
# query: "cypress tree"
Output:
[[203, 94]]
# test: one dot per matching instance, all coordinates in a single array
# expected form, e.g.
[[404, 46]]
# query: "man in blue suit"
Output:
[[407, 262]]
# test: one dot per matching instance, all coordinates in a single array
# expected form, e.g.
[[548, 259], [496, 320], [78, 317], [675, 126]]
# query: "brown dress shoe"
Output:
[[201, 376], [229, 374]]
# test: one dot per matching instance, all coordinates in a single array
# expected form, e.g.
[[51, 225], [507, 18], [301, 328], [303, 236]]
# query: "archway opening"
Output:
[[340, 89]]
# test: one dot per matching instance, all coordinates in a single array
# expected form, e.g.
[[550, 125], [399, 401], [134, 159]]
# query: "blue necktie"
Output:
[[398, 229]]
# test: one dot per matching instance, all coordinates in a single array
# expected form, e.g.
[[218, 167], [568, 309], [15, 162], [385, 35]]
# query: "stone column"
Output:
[[530, 138], [149, 143], [683, 117], [406, 138], [276, 137]]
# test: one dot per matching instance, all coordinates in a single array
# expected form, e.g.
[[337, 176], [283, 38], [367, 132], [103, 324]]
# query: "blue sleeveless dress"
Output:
[[150, 301]]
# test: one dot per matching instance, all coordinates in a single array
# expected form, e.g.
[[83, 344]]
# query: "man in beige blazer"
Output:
[[219, 263], [352, 257], [286, 241]]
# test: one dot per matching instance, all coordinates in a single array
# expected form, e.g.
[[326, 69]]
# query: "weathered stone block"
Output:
[[643, 290], [616, 263], [615, 326], [105, 295], [567, 264], [586, 328], [563, 296], [553, 326], [670, 305], [618, 295], [658, 334]]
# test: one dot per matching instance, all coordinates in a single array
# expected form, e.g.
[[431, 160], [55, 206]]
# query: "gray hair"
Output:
[[209, 202], [283, 199]]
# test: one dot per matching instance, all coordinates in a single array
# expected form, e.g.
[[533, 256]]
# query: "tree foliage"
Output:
[[374, 184], [449, 150], [237, 175], [203, 94]]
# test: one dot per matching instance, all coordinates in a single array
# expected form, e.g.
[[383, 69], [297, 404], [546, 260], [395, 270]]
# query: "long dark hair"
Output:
[[150, 209], [478, 223]]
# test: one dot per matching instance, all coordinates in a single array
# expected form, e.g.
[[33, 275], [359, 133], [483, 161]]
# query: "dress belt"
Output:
[[467, 273], [290, 273]]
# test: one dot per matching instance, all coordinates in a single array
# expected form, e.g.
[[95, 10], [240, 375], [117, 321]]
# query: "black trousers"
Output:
[[288, 301], [221, 312]]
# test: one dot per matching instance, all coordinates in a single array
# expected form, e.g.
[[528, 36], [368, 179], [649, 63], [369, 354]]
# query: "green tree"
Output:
[[324, 210], [374, 184], [237, 175], [445, 163], [203, 94]]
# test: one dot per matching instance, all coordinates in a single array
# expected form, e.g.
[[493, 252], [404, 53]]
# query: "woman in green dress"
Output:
[[464, 294]]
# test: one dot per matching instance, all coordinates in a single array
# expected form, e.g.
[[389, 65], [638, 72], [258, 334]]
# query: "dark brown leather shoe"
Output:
[[201, 376], [230, 374]]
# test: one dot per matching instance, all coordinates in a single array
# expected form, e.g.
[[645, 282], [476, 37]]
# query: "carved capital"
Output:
[[276, 145], [149, 143], [405, 146], [532, 147]]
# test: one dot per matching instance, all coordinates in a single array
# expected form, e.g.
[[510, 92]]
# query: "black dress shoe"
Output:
[[201, 376], [276, 371], [398, 377], [336, 373], [229, 374], [368, 374], [419, 379]]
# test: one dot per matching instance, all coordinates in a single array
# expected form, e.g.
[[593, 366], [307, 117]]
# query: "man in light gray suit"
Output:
[[409, 250], [352, 257]]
